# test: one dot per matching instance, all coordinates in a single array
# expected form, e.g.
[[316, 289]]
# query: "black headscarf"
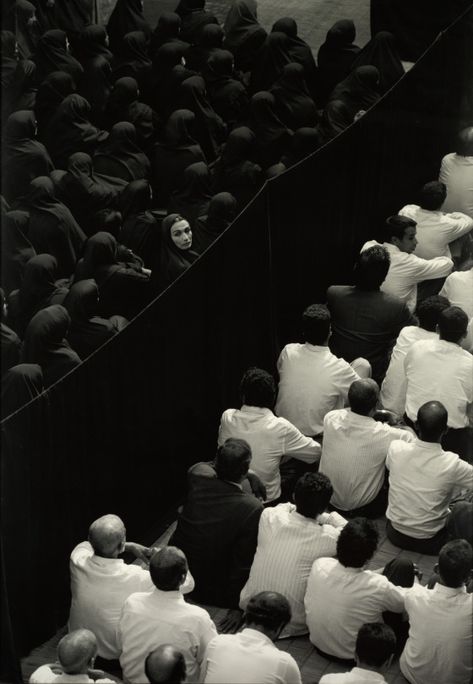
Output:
[[221, 212], [16, 248], [209, 129], [100, 251], [9, 60], [166, 58], [72, 16], [140, 231], [244, 36], [133, 60], [359, 91], [92, 43], [52, 228], [38, 290], [192, 196], [27, 28], [272, 136], [88, 331], [70, 130], [96, 86], [173, 261], [272, 58], [168, 29], [295, 105], [210, 39], [52, 91], [123, 105], [9, 342], [336, 116], [234, 171], [121, 147], [127, 16], [194, 17], [18, 79], [304, 142], [227, 95], [300, 52], [51, 55], [382, 53], [46, 345], [24, 158], [20, 385], [336, 55]]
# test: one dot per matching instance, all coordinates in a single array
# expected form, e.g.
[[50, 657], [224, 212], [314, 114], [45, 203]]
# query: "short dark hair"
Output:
[[312, 494], [233, 459], [453, 324], [167, 568], [396, 226], [316, 323], [432, 195], [357, 542], [257, 388], [455, 562], [428, 311], [371, 268], [165, 665], [363, 396], [464, 146], [268, 609], [375, 643], [432, 420]]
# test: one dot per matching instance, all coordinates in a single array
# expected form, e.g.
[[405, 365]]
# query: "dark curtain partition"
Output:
[[118, 434]]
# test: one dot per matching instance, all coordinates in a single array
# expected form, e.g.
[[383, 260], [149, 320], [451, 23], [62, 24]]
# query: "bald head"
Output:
[[165, 665], [432, 420], [107, 536], [76, 650], [168, 568], [363, 396]]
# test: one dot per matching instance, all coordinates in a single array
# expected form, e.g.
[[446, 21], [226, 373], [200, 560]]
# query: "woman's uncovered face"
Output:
[[181, 235]]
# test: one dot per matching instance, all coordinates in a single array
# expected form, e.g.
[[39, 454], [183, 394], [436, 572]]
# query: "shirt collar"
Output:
[[160, 595], [100, 560], [449, 591], [431, 446], [316, 347], [256, 634], [351, 571], [256, 409], [391, 248], [368, 675]]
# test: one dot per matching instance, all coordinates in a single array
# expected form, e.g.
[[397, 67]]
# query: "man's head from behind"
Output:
[[357, 543], [269, 612], [168, 568], [233, 460], [375, 646], [312, 494], [107, 535], [316, 324], [371, 268], [165, 665], [432, 195], [257, 388], [363, 396], [453, 324], [401, 232], [432, 419], [465, 142], [76, 651], [455, 563], [428, 311]]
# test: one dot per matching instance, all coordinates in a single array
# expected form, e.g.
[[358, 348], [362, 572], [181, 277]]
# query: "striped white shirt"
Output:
[[354, 454], [288, 544]]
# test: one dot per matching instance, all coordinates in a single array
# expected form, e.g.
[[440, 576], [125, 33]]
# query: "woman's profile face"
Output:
[[181, 234]]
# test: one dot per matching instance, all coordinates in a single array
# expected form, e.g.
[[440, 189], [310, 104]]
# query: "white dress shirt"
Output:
[[441, 371], [457, 174], [44, 675], [151, 619], [423, 479], [249, 657], [357, 676], [288, 544], [393, 389], [406, 270], [440, 636], [99, 588], [270, 438], [458, 289], [340, 600], [313, 381], [435, 230], [354, 454]]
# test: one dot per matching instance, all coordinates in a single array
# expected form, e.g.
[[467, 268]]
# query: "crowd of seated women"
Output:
[[127, 151]]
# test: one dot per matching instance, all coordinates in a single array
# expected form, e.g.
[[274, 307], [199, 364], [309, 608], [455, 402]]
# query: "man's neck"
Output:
[[364, 666]]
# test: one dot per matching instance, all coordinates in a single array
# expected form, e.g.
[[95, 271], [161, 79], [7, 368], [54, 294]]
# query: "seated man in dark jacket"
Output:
[[218, 527]]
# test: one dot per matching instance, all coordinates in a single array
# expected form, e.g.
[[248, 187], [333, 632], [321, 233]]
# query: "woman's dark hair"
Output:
[[432, 195], [396, 226], [371, 268], [316, 324], [257, 388], [357, 543], [233, 460], [453, 324], [465, 142], [268, 609], [375, 643], [428, 311], [312, 494]]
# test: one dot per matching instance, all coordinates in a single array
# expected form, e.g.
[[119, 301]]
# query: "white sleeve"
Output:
[[429, 269], [299, 446], [292, 674], [458, 224], [81, 552], [281, 359], [208, 632]]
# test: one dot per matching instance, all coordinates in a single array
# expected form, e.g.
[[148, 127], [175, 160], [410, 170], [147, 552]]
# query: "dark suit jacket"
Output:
[[218, 531]]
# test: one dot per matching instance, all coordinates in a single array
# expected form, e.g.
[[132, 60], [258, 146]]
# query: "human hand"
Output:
[[139, 551], [257, 487], [231, 622], [96, 674]]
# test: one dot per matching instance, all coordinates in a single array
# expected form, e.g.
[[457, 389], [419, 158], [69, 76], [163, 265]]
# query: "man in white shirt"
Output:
[[458, 289], [251, 656], [442, 370], [456, 172], [354, 453], [312, 380], [440, 634], [342, 596], [407, 270], [76, 653], [435, 229], [374, 651], [269, 437], [162, 616], [290, 538], [101, 581], [393, 389], [423, 480]]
